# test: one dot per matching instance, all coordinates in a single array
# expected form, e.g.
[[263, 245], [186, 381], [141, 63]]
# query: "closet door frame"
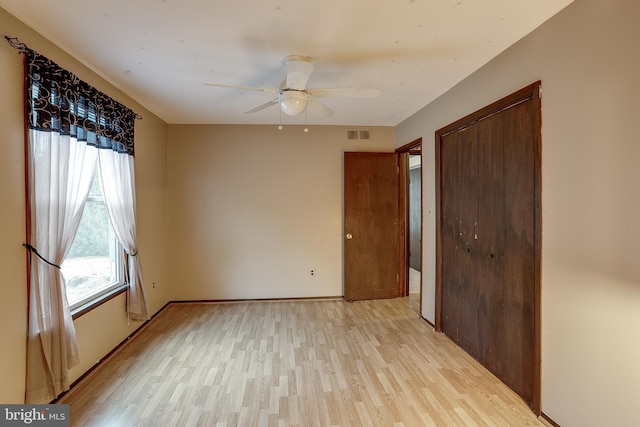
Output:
[[530, 92]]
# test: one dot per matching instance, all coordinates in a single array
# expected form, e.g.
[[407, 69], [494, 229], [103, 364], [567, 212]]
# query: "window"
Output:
[[71, 127], [94, 264]]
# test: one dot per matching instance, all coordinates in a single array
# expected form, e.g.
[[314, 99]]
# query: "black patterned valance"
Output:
[[58, 101]]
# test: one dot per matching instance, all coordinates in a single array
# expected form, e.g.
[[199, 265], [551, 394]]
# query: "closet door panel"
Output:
[[491, 244], [450, 229], [520, 249], [460, 208]]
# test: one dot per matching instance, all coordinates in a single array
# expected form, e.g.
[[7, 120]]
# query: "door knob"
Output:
[[467, 250], [349, 236], [491, 255]]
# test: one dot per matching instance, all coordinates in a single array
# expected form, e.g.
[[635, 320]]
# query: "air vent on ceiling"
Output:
[[362, 135]]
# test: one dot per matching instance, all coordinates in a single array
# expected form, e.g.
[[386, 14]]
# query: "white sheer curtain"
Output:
[[117, 175], [60, 173]]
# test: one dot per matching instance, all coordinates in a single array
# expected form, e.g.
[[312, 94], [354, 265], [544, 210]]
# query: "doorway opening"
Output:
[[410, 202]]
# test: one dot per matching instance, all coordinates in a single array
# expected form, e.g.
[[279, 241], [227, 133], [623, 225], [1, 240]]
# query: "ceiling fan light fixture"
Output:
[[293, 102], [295, 97]]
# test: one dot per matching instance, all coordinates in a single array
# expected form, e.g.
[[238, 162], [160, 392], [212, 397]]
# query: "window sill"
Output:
[[85, 308]]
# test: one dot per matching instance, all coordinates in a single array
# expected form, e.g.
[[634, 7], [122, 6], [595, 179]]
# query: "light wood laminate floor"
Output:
[[293, 363]]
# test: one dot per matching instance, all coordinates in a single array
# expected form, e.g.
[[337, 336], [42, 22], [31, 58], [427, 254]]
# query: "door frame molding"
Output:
[[530, 92]]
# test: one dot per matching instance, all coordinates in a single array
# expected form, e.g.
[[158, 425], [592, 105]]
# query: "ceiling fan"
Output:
[[294, 96]]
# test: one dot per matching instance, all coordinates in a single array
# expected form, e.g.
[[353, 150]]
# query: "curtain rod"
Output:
[[17, 44]]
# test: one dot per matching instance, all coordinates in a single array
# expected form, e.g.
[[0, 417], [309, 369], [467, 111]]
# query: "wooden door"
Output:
[[488, 238], [459, 229], [491, 251], [370, 226], [515, 229]]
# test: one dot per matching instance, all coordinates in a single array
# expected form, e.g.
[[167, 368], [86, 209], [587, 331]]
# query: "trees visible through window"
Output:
[[93, 265]]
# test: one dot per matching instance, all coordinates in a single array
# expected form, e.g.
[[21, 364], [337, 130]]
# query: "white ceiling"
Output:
[[161, 52]]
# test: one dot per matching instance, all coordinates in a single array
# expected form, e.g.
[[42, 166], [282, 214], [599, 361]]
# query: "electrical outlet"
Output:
[[312, 273]]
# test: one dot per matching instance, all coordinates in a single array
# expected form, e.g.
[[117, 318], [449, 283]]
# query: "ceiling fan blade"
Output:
[[298, 73], [319, 109], [263, 106], [345, 93], [258, 89]]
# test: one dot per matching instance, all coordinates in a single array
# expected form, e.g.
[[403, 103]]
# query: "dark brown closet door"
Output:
[[460, 207], [491, 239], [488, 251], [506, 253], [519, 229]]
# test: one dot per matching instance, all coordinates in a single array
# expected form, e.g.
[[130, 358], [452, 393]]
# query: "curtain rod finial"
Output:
[[15, 43]]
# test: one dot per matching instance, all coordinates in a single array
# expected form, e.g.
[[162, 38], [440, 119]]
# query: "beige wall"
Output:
[[13, 295], [253, 209], [587, 58], [102, 329]]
